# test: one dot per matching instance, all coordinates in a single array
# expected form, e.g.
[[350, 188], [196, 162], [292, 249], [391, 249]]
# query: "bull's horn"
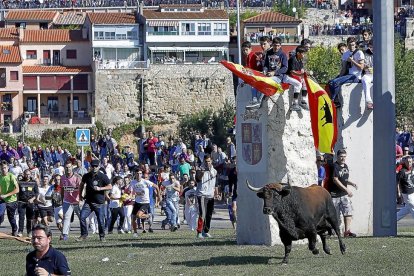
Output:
[[256, 190]]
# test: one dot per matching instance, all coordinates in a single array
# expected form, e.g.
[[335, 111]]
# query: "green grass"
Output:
[[165, 253]]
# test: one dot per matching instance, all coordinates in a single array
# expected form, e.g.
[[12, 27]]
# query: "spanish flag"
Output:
[[263, 84], [323, 117]]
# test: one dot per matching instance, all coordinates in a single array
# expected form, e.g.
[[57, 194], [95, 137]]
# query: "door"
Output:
[[56, 57], [46, 57]]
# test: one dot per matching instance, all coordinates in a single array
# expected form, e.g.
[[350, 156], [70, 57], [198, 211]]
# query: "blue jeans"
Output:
[[2, 210], [171, 213], [335, 84], [99, 211], [11, 212]]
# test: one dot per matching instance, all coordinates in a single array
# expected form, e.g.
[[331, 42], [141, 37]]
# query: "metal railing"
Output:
[[123, 64]]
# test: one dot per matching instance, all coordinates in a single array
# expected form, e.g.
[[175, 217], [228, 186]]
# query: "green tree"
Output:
[[286, 7], [215, 124], [243, 16], [324, 62], [404, 83]]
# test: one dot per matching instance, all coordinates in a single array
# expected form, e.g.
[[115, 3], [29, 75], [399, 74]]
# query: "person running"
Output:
[[96, 184], [45, 205], [142, 201], [54, 194], [9, 188], [172, 189], [70, 185], [406, 187], [115, 205]]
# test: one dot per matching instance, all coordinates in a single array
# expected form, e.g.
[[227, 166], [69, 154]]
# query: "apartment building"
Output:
[[30, 19], [185, 33]]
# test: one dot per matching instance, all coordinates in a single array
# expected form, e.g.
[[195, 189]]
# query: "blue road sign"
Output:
[[83, 137]]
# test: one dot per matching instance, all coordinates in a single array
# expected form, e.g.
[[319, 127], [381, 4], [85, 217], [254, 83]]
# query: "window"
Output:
[[110, 35], [98, 35], [132, 35], [32, 104], [121, 36], [20, 24], [29, 82], [52, 104], [14, 75], [31, 54], [71, 54], [80, 82], [188, 28], [204, 29], [220, 29], [43, 26]]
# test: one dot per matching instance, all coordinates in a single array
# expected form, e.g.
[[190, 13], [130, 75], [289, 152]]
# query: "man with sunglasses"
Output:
[[96, 183]]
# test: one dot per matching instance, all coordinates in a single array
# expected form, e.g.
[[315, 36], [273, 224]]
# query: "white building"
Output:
[[185, 33], [115, 39]]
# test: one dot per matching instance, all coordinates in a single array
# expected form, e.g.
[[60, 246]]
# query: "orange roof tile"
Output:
[[272, 17], [207, 14], [53, 35], [56, 69], [26, 15], [10, 54], [8, 33], [111, 18]]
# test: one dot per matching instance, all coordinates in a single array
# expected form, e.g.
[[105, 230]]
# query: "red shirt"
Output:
[[151, 144], [251, 61]]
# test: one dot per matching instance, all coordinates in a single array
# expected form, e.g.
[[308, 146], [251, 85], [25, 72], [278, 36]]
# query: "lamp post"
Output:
[[295, 12], [238, 32]]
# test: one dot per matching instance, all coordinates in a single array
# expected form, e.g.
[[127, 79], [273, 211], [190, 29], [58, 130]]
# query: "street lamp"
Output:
[[295, 12]]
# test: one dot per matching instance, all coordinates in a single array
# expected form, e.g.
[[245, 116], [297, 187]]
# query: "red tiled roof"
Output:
[[30, 15], [8, 33], [56, 69], [111, 18], [285, 48], [272, 17], [53, 35], [207, 14], [10, 54]]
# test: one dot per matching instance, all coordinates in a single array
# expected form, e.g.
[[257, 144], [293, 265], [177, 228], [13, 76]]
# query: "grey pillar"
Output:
[[384, 121]]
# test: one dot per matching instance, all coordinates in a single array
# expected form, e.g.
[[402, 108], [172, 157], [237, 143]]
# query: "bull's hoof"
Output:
[[327, 250], [343, 248], [315, 251]]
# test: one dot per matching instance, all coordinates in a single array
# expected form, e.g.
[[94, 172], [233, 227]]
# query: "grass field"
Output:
[[179, 253]]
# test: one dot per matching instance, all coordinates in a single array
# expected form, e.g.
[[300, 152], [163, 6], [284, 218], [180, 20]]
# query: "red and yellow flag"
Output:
[[265, 85], [323, 117]]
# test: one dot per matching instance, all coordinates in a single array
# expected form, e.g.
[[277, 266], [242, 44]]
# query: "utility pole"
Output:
[[384, 189]]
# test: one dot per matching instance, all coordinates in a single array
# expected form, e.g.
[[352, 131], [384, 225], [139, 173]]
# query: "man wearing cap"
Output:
[[95, 183], [70, 183]]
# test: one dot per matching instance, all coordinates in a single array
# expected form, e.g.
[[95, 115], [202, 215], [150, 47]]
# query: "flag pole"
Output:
[[238, 32]]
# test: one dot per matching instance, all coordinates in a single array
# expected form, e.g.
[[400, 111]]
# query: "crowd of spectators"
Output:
[[167, 167]]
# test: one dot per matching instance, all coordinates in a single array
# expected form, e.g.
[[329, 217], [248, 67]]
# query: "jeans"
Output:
[[335, 84], [114, 215], [2, 210], [408, 207], [87, 209], [25, 209], [171, 213], [11, 212], [68, 210]]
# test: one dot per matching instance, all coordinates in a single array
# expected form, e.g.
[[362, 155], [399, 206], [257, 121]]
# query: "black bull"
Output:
[[300, 213]]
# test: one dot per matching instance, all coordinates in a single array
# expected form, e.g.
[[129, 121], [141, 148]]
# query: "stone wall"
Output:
[[169, 91]]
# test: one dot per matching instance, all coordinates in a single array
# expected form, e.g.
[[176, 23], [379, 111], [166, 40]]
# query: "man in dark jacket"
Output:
[[28, 192]]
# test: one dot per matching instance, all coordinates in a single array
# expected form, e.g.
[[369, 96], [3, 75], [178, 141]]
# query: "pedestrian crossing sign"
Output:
[[83, 137]]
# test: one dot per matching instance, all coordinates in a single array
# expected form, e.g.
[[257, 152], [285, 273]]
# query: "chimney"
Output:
[[21, 33], [84, 33]]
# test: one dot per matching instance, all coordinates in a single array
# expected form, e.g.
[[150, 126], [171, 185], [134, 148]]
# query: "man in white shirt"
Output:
[[140, 187], [16, 169], [109, 169]]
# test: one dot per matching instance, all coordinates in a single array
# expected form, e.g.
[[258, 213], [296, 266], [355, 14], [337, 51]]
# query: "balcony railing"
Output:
[[123, 64], [48, 62], [163, 33]]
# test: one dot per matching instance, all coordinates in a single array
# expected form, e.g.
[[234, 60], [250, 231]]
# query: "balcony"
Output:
[[48, 62], [122, 64], [163, 33]]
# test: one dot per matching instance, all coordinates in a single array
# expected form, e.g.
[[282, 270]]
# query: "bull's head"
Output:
[[271, 195]]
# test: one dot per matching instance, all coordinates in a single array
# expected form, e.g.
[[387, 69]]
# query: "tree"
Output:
[[286, 7], [243, 16], [404, 83], [324, 62]]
